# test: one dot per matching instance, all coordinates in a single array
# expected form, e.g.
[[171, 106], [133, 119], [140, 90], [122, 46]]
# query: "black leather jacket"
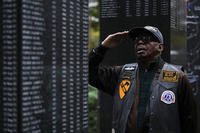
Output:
[[171, 107]]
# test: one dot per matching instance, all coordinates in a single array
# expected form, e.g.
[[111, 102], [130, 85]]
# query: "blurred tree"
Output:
[[93, 110], [93, 24], [93, 42]]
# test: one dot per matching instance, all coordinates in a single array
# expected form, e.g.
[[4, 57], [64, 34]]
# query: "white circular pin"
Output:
[[168, 97]]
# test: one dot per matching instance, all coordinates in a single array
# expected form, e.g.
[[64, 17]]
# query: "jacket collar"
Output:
[[156, 63]]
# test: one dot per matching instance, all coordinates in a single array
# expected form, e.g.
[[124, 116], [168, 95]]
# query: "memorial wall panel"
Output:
[[44, 66], [193, 49], [193, 42], [178, 34], [9, 66]]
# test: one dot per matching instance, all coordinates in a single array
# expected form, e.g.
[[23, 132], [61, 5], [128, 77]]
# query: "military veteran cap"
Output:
[[133, 33]]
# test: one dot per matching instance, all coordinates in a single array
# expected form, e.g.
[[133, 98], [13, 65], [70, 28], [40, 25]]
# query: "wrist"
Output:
[[100, 50]]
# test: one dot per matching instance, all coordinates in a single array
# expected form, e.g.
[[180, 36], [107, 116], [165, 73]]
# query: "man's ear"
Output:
[[160, 47]]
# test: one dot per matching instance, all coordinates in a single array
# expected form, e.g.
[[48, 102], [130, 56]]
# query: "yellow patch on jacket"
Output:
[[170, 76], [124, 87]]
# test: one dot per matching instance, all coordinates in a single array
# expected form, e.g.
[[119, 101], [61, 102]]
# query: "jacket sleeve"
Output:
[[187, 106], [102, 77]]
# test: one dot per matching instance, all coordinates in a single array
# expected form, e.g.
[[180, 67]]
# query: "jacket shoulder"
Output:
[[173, 67], [130, 67]]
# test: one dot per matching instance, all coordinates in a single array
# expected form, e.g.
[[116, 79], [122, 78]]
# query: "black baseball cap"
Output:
[[135, 32]]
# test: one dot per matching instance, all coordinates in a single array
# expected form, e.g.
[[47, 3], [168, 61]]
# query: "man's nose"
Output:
[[140, 42]]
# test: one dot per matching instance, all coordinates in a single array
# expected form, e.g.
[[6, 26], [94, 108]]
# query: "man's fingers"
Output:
[[121, 33], [114, 39]]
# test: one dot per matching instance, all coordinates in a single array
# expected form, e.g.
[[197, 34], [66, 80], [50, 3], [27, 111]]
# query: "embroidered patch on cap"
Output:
[[168, 97], [170, 76], [124, 87]]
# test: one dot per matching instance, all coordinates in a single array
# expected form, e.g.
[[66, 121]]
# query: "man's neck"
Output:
[[146, 62]]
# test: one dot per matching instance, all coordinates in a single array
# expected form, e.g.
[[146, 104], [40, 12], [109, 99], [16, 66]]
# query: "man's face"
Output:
[[146, 47]]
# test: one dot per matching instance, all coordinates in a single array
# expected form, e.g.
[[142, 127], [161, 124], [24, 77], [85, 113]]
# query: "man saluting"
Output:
[[150, 96]]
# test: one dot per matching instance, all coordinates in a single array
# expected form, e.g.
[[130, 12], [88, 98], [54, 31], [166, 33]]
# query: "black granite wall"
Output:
[[43, 66]]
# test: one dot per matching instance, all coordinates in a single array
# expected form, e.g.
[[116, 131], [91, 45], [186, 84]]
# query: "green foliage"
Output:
[[94, 14], [94, 38], [93, 110], [93, 93], [94, 26]]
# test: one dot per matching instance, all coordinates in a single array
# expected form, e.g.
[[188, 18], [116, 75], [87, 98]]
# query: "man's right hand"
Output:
[[114, 39]]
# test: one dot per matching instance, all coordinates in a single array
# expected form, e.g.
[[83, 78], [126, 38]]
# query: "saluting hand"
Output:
[[114, 39]]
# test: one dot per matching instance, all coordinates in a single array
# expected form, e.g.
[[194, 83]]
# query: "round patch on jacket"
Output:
[[124, 87], [168, 97]]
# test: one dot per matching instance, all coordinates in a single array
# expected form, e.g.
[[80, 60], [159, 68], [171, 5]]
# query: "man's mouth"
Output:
[[140, 50]]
